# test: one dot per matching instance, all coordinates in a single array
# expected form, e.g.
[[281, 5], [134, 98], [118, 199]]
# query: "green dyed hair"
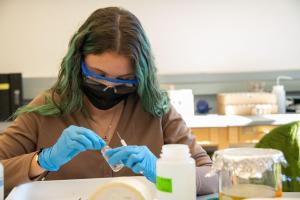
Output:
[[109, 29]]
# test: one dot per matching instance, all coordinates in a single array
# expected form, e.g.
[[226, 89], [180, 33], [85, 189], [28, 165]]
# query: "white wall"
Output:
[[187, 36]]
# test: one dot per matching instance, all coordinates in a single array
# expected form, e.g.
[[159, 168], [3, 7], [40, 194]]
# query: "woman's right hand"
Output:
[[72, 141]]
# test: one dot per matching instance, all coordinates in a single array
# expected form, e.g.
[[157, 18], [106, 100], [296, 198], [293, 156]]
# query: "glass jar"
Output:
[[248, 173]]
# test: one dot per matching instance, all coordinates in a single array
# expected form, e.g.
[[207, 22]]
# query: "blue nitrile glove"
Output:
[[138, 158], [72, 141]]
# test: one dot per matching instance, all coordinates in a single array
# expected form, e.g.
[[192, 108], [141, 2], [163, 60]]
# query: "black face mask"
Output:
[[103, 97]]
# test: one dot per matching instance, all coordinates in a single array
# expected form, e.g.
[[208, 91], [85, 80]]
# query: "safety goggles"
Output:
[[89, 73], [117, 89]]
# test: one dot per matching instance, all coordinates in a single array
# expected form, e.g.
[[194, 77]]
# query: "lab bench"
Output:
[[224, 131], [81, 189]]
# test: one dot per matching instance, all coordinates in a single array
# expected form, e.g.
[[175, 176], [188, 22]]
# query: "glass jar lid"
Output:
[[246, 162]]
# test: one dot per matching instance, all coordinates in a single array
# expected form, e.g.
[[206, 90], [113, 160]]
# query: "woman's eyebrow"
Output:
[[103, 72], [96, 69], [130, 74]]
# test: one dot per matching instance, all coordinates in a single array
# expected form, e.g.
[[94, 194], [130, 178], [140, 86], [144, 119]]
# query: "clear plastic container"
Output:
[[116, 167], [248, 173]]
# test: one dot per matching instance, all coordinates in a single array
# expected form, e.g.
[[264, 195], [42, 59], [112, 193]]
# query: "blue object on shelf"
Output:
[[202, 107]]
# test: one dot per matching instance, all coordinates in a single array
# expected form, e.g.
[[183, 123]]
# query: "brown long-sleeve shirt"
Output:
[[30, 132]]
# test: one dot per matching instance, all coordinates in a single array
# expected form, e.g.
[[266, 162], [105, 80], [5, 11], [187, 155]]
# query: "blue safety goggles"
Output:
[[89, 73]]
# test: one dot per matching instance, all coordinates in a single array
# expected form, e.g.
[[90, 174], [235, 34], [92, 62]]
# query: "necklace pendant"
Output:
[[105, 137]]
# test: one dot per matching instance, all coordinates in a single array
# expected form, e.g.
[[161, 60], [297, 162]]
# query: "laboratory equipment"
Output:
[[279, 91], [123, 188], [202, 106], [248, 173], [121, 140], [246, 103], [176, 173], [183, 101], [11, 93], [116, 167]]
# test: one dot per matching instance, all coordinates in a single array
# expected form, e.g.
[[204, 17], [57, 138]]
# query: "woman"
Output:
[[107, 85]]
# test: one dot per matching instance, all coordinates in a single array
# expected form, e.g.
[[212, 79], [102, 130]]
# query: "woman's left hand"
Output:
[[138, 158]]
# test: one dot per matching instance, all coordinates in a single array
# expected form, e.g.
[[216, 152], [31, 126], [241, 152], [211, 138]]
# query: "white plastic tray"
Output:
[[81, 189], [75, 189]]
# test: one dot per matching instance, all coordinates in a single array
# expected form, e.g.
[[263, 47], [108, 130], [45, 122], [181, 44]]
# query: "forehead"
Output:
[[110, 63]]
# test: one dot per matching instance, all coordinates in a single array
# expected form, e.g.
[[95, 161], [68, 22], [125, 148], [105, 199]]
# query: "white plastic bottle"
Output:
[[1, 182], [279, 92], [176, 173]]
